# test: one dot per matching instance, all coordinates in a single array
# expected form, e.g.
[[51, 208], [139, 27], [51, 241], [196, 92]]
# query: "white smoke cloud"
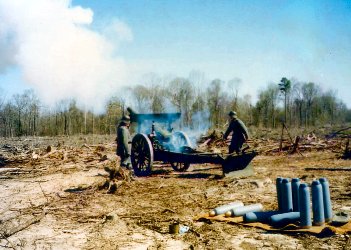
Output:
[[59, 53], [7, 48], [118, 30]]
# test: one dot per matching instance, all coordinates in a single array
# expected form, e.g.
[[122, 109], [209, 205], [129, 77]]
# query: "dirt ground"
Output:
[[51, 198]]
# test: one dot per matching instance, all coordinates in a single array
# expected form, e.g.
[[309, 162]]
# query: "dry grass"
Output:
[[81, 215]]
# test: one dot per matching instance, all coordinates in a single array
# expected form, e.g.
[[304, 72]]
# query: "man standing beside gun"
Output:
[[240, 133]]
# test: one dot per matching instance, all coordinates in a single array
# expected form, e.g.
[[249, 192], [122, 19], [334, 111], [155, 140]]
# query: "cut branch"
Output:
[[8, 232]]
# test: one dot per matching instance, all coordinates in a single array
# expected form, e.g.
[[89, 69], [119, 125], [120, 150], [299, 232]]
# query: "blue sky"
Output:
[[257, 41]]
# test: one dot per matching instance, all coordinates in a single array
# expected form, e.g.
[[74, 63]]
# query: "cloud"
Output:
[[7, 48], [59, 53], [119, 30]]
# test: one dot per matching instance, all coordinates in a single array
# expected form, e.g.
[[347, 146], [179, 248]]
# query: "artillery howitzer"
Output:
[[162, 144]]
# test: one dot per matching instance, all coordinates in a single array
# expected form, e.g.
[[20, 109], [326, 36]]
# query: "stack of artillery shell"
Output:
[[293, 203], [296, 197]]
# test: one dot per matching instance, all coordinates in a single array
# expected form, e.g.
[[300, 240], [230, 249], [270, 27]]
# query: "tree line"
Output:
[[296, 103]]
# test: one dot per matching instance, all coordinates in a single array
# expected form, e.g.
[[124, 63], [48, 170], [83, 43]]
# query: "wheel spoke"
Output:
[[142, 154]]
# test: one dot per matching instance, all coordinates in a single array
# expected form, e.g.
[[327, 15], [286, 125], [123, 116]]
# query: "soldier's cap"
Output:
[[232, 113], [125, 118]]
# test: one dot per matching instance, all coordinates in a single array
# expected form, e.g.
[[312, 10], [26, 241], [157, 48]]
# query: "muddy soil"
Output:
[[51, 198]]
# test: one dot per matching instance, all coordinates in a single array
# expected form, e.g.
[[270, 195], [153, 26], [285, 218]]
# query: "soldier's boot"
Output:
[[111, 171], [113, 188], [245, 148], [133, 177], [131, 171]]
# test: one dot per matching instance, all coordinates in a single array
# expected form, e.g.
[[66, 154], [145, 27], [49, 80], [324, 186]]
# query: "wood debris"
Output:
[[213, 142]]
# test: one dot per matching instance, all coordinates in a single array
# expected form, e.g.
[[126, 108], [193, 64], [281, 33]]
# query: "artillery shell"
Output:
[[317, 204], [328, 211], [225, 208], [287, 203], [281, 220], [240, 211], [305, 207], [259, 216], [295, 183], [229, 213], [279, 192]]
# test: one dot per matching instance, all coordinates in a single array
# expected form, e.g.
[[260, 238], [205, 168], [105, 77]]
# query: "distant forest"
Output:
[[298, 104]]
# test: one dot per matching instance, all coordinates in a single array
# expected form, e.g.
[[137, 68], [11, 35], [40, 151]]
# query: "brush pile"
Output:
[[212, 142], [270, 145], [38, 155]]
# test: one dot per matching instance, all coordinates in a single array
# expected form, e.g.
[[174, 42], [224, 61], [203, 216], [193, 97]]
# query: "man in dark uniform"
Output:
[[240, 133], [123, 142], [123, 151]]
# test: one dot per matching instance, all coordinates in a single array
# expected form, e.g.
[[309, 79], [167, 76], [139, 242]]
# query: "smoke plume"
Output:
[[58, 52]]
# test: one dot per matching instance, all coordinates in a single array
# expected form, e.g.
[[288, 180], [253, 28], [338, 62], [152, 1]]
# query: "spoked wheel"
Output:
[[142, 155], [180, 166], [179, 140]]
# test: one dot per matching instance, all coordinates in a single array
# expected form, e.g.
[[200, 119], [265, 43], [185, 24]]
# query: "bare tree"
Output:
[[266, 106], [285, 87], [215, 101], [305, 104], [181, 93], [156, 92], [20, 103], [309, 92], [142, 98], [298, 103], [234, 85]]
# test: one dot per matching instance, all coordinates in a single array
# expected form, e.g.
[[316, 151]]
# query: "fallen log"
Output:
[[296, 146], [6, 170], [330, 169], [2, 177], [8, 232], [334, 134]]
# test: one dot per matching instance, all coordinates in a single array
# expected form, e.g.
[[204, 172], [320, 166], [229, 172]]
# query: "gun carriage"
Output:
[[173, 147]]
